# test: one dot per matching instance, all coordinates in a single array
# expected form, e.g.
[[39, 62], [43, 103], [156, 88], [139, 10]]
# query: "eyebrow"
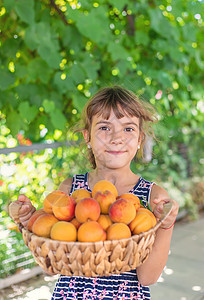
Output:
[[107, 122]]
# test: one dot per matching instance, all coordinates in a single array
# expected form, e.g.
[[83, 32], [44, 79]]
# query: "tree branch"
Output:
[[52, 2]]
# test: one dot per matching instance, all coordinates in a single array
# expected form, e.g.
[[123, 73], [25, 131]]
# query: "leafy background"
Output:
[[54, 55]]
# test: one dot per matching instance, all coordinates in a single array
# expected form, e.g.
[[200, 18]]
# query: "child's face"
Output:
[[114, 141]]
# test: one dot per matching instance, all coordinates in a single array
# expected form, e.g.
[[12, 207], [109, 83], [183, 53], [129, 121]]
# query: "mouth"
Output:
[[115, 152]]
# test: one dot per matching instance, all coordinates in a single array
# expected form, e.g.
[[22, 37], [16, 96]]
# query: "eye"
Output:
[[104, 128], [129, 129]]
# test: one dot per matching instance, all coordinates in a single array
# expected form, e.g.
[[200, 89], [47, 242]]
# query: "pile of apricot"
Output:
[[91, 217]]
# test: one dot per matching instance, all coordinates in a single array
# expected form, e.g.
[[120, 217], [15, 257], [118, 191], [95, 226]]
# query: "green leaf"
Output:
[[176, 55], [50, 55], [49, 106], [6, 79], [148, 206], [189, 32], [72, 39], [79, 100], [25, 10], [27, 112], [123, 66], [63, 85], [14, 122], [10, 47], [199, 61], [77, 74], [58, 119], [9, 4], [38, 68], [117, 51], [31, 38], [164, 79], [119, 4], [94, 25], [91, 66], [159, 23], [141, 38]]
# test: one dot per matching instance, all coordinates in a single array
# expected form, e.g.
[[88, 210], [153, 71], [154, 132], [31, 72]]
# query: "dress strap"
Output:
[[79, 182], [142, 190]]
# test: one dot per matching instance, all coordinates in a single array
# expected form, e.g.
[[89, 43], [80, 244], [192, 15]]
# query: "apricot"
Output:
[[87, 209], [118, 231], [91, 231], [105, 199], [64, 208], [104, 185], [80, 194], [34, 217], [63, 231], [42, 226], [76, 223], [141, 223], [105, 221], [147, 211], [50, 199], [122, 211], [132, 198]]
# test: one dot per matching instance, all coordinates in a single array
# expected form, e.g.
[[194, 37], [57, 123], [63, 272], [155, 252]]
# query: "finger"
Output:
[[156, 200], [25, 218], [23, 198], [160, 207], [25, 208]]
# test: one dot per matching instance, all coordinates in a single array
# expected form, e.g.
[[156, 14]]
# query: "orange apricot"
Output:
[[87, 209], [50, 199], [105, 199], [141, 223], [80, 194], [118, 231], [104, 185], [122, 211], [34, 217], [132, 198], [91, 231], [147, 211], [76, 223], [63, 231], [42, 226], [105, 221], [64, 208]]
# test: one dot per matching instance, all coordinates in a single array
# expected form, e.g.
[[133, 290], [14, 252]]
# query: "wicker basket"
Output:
[[92, 259]]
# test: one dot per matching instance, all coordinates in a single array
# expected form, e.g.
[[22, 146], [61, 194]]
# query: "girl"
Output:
[[115, 124]]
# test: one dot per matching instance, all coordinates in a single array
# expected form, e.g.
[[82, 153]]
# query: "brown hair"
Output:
[[122, 102]]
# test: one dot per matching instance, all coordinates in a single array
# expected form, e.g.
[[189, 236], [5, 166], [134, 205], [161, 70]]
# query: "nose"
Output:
[[117, 137]]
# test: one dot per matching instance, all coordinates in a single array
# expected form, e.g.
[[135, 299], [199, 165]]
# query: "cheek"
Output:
[[100, 137], [132, 140]]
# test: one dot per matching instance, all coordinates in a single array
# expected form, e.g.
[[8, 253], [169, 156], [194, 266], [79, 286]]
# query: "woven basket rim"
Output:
[[136, 236]]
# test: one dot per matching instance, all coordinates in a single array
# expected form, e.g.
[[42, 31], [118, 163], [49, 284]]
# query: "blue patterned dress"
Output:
[[123, 286]]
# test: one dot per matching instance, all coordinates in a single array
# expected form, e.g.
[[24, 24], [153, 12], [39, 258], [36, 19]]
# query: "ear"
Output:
[[86, 135], [141, 137]]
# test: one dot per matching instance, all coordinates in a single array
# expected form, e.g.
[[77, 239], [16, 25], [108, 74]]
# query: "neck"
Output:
[[116, 176]]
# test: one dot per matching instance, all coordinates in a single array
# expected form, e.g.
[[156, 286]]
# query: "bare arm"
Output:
[[149, 272], [66, 185]]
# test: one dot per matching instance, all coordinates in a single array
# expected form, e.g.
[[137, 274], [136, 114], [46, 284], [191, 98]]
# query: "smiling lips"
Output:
[[116, 152]]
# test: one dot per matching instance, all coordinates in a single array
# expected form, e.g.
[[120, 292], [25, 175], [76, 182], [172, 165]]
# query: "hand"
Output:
[[26, 210], [159, 208]]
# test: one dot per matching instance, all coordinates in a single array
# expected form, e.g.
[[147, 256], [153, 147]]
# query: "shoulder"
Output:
[[66, 185], [157, 193]]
